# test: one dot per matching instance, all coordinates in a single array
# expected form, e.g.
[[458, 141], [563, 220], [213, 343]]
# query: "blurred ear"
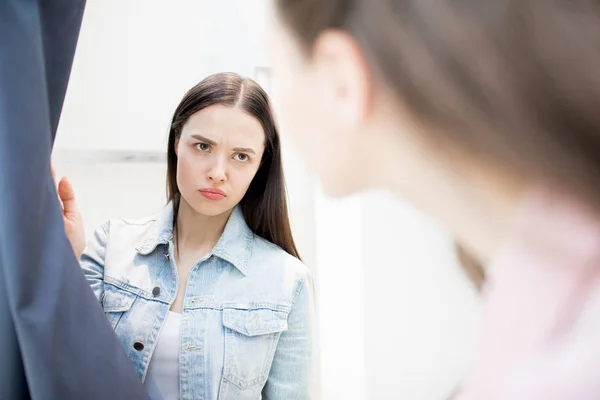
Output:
[[176, 147], [344, 76]]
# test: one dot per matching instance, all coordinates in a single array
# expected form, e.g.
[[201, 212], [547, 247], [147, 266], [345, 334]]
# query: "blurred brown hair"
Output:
[[515, 82], [471, 266]]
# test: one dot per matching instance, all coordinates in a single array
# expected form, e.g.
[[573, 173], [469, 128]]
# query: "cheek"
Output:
[[242, 177], [187, 169]]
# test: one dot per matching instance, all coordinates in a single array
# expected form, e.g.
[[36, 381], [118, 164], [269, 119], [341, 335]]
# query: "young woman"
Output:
[[209, 298], [485, 115]]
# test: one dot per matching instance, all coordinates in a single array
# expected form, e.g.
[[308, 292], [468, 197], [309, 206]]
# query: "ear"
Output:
[[176, 146], [344, 75]]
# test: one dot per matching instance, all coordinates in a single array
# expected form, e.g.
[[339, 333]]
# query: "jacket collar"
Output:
[[234, 245]]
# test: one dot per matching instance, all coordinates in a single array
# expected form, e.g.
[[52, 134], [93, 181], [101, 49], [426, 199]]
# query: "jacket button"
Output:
[[139, 346], [156, 291]]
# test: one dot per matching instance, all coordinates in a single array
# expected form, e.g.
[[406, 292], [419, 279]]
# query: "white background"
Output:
[[397, 319]]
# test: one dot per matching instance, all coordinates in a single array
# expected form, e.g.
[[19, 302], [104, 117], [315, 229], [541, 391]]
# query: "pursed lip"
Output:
[[213, 191]]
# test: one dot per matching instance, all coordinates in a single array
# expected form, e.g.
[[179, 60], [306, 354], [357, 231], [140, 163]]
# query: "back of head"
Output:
[[516, 82]]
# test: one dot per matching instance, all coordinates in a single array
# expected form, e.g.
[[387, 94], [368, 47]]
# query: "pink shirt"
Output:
[[541, 334]]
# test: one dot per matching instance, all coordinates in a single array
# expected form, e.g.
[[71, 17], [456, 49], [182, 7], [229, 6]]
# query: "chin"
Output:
[[211, 208]]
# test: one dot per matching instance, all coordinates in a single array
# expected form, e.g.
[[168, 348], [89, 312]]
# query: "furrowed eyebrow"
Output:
[[213, 143], [204, 139], [244, 150]]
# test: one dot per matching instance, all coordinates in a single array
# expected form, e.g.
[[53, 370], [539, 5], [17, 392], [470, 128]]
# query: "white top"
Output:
[[162, 379]]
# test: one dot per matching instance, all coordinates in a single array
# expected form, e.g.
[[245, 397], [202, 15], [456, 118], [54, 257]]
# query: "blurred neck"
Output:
[[474, 202]]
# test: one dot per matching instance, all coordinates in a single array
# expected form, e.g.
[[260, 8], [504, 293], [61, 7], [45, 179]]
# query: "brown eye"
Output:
[[241, 157], [203, 147]]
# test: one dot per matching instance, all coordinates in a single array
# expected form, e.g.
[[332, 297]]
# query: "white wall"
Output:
[[115, 190], [136, 59], [396, 317]]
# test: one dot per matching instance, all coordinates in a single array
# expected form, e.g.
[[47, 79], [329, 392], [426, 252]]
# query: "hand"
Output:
[[72, 218]]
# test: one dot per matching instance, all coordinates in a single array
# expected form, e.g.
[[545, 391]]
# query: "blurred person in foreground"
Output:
[[485, 115]]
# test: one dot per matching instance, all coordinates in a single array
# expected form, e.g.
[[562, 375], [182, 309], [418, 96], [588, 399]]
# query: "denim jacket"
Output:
[[246, 328]]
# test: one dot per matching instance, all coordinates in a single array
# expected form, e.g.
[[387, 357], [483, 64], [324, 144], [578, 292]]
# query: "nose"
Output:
[[217, 173]]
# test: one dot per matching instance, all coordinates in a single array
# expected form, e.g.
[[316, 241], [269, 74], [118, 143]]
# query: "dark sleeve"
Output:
[[58, 342]]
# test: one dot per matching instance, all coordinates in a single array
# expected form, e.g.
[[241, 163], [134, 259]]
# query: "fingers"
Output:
[[66, 195], [55, 179]]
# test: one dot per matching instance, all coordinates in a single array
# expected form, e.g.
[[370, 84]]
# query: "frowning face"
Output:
[[218, 152]]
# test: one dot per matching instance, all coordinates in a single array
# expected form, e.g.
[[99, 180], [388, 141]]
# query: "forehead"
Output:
[[226, 124]]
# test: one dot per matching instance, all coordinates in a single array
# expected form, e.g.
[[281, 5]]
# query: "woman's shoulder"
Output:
[[277, 272], [132, 231], [267, 255], [116, 225], [140, 223]]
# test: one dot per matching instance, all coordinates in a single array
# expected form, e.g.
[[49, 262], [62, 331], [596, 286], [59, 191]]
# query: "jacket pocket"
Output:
[[251, 338], [116, 303]]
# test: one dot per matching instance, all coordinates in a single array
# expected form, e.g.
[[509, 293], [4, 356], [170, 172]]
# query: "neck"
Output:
[[475, 203], [199, 231]]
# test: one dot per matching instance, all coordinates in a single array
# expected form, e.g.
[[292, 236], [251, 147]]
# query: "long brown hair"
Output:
[[264, 205], [514, 82]]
